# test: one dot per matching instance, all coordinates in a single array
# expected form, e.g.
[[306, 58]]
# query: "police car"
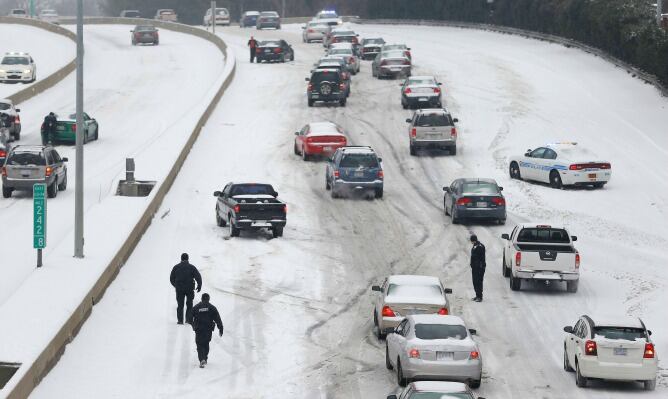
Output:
[[17, 67], [561, 164]]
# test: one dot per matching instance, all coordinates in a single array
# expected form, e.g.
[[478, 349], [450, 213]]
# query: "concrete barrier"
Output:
[[51, 353], [632, 70], [54, 78]]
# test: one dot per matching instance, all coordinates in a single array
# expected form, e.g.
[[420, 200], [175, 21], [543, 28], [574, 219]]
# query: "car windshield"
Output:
[[480, 188], [439, 395], [542, 234], [435, 119], [15, 61], [440, 331], [344, 33], [421, 81], [415, 290], [26, 158], [4, 106], [328, 14], [251, 189], [359, 161], [221, 11], [132, 14], [318, 25], [625, 333]]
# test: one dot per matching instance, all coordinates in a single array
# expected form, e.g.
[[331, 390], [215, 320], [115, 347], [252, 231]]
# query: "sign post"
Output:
[[213, 17], [39, 219]]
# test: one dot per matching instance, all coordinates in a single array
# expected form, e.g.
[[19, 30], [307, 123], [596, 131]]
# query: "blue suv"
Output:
[[354, 169]]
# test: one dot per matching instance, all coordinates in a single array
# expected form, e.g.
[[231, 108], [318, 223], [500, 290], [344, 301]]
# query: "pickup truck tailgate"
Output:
[[547, 257], [266, 211]]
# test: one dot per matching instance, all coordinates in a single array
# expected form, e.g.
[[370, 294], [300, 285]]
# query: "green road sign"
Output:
[[39, 215]]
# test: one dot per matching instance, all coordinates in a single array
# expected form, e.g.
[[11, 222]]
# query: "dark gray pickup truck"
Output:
[[250, 206]]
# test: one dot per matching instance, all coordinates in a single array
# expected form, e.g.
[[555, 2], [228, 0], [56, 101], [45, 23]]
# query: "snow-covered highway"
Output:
[[297, 310]]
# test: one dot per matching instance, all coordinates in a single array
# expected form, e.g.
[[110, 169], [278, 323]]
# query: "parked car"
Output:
[[222, 17], [401, 47], [18, 13], [250, 206], [319, 139], [541, 252], [248, 18], [144, 34], [343, 36], [478, 199], [66, 129], [433, 347], [340, 65], [344, 32], [434, 390], [274, 50], [314, 30], [421, 92], [17, 67], [354, 169], [268, 19], [12, 118], [130, 14], [326, 85], [403, 295], [391, 63], [4, 150], [50, 16], [166, 14], [28, 165], [345, 51], [371, 47], [561, 164], [614, 348], [328, 17], [432, 128]]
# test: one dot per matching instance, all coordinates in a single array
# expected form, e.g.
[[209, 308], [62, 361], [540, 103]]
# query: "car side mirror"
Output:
[[574, 238], [391, 396], [568, 329], [649, 332], [216, 193], [296, 133], [18, 110], [408, 48], [376, 288], [473, 331], [409, 120], [65, 159], [380, 159], [528, 153], [505, 236], [307, 79], [131, 31], [455, 120], [446, 189], [304, 27], [275, 194], [448, 290], [439, 83]]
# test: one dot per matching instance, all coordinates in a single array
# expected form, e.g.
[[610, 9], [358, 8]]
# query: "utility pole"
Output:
[[283, 9], [213, 17], [79, 175]]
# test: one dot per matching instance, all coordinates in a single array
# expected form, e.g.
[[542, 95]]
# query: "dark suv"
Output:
[[326, 85], [354, 169], [30, 164]]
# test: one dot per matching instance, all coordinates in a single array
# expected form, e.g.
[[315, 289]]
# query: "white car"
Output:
[[222, 17], [17, 67], [616, 348], [50, 16], [18, 13], [561, 164], [328, 17], [166, 14], [11, 115], [433, 347], [315, 30], [346, 51]]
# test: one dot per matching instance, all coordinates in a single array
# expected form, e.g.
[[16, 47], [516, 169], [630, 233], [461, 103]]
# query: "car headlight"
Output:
[[26, 71]]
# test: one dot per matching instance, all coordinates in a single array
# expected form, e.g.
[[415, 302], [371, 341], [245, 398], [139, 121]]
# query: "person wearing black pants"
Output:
[[252, 44], [183, 278], [477, 266], [205, 320]]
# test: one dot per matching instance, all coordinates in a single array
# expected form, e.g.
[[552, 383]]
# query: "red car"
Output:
[[319, 139]]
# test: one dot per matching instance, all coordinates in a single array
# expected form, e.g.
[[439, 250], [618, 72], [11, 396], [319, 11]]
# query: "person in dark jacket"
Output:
[[205, 319], [252, 44], [478, 265], [49, 127], [183, 278]]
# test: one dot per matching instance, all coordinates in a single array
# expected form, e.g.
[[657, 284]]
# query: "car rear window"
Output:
[[251, 189], [393, 54], [480, 188], [166, 12], [26, 158], [4, 106], [423, 290], [269, 14], [625, 333], [15, 61], [145, 28], [325, 76], [435, 119], [269, 43], [421, 81], [543, 235], [440, 331], [359, 161]]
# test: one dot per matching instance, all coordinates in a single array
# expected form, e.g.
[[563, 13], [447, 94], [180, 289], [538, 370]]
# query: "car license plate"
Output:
[[423, 99], [619, 351], [267, 50], [592, 175], [444, 355], [60, 128], [327, 149], [359, 174], [481, 204], [148, 36]]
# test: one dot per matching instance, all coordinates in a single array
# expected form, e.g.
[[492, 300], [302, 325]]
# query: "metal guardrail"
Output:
[[634, 71]]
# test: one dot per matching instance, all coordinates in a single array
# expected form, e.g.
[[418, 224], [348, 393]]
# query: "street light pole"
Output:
[[78, 192]]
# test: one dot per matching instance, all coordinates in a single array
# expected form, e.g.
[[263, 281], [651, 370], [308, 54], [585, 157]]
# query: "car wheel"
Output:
[[310, 102], [572, 286], [327, 186], [475, 384], [63, 185], [97, 132], [455, 218], [412, 150], [388, 364], [292, 57], [650, 385], [401, 380], [567, 366], [453, 150], [445, 209], [555, 180], [505, 271], [17, 136], [6, 192], [234, 231], [379, 193], [404, 105], [334, 193], [439, 105], [295, 149], [502, 221], [514, 171], [579, 379], [515, 283], [277, 231], [342, 102], [52, 190], [305, 156]]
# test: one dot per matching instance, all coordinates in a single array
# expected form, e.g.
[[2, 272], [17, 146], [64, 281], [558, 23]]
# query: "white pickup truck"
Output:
[[540, 252]]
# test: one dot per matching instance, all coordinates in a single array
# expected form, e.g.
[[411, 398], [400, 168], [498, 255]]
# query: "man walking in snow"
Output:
[[477, 266], [252, 44], [205, 319], [183, 278]]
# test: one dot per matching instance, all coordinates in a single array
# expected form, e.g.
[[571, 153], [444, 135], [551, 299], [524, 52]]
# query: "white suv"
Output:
[[17, 67], [610, 349]]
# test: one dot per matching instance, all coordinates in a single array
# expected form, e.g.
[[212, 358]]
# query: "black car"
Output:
[[341, 66], [274, 50], [249, 18], [326, 85], [144, 34]]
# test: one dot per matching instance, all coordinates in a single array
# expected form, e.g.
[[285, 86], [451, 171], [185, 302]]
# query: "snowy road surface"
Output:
[[50, 51], [297, 310]]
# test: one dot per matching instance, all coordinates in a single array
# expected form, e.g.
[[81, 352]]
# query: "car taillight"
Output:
[[406, 62], [17, 119], [575, 167], [48, 171], [237, 208], [408, 90], [408, 54], [649, 351], [285, 209], [310, 30], [464, 201], [381, 174], [258, 51], [474, 355], [382, 63], [453, 132], [413, 132], [3, 153], [518, 259], [577, 260], [278, 50], [309, 87], [74, 128], [437, 90], [602, 166], [4, 171], [342, 86], [337, 175], [387, 311], [309, 139], [590, 348], [443, 312], [414, 353], [350, 60], [498, 201]]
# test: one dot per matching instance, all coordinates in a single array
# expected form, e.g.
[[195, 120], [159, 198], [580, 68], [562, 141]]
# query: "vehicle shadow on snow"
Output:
[[433, 153], [247, 235]]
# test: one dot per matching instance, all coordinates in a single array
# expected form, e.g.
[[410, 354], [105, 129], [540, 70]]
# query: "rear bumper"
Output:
[[315, 36], [268, 56], [259, 224], [570, 178], [418, 100], [394, 70], [591, 367], [336, 96], [24, 184], [388, 322], [268, 25], [146, 40], [442, 144], [322, 149], [498, 213], [455, 370], [348, 186], [546, 275]]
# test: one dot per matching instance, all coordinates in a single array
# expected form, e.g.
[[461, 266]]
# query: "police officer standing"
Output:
[[477, 266], [49, 127], [205, 319], [183, 278], [252, 44]]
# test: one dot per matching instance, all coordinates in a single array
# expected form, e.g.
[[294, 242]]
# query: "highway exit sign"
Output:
[[39, 215]]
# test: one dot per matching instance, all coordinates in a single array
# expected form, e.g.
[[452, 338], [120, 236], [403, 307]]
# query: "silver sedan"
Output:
[[433, 347], [434, 390], [391, 64], [315, 31]]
